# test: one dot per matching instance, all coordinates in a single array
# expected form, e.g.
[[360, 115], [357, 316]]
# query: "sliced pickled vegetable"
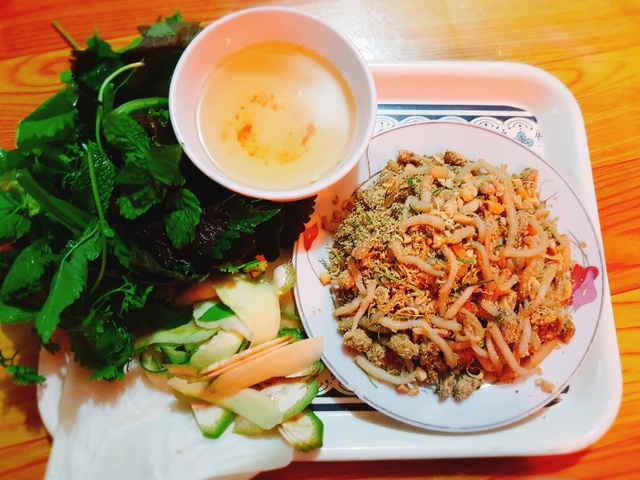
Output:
[[184, 334], [244, 426], [213, 420], [303, 431], [284, 278], [222, 345], [252, 404], [151, 360], [216, 369], [281, 362], [310, 371], [255, 303], [292, 396], [182, 371]]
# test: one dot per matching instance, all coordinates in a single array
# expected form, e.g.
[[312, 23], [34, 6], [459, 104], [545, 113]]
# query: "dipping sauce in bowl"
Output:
[[273, 103], [276, 115]]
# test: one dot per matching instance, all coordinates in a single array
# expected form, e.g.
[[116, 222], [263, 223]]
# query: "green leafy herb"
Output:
[[216, 312], [21, 374], [257, 264], [414, 183], [101, 213]]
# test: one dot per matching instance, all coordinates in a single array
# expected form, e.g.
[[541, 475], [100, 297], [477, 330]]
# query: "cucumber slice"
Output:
[[310, 371], [212, 419], [284, 278], [222, 345], [187, 333], [255, 303], [174, 355], [151, 360], [243, 426], [253, 404], [151, 364], [215, 322], [292, 396], [304, 431], [181, 371]]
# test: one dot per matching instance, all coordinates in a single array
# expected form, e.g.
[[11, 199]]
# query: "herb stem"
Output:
[[70, 216], [94, 183], [103, 87], [102, 222], [75, 45]]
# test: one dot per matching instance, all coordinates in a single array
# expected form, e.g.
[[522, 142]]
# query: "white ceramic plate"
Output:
[[492, 406]]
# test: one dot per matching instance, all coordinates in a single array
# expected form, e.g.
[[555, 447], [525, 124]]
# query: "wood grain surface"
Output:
[[592, 46]]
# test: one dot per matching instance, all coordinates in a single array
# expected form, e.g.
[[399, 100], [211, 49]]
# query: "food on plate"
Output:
[[240, 361], [450, 273]]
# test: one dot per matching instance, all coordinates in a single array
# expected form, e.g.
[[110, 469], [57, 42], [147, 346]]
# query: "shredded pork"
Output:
[[453, 269]]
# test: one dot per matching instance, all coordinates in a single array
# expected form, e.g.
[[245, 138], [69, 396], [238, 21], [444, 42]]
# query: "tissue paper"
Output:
[[129, 429]]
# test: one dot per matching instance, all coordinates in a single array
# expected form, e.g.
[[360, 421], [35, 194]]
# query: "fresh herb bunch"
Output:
[[101, 214]]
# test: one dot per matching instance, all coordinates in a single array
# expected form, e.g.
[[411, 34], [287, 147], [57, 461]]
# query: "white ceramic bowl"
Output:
[[189, 103]]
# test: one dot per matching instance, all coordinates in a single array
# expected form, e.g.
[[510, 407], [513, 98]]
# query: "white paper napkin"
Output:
[[130, 430]]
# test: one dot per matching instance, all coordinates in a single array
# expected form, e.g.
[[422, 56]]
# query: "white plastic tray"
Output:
[[535, 108], [532, 106]]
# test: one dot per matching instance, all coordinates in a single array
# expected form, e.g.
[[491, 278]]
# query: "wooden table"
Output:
[[592, 46]]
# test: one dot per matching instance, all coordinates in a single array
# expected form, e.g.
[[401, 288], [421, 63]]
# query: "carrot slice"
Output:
[[203, 290], [277, 363], [216, 369]]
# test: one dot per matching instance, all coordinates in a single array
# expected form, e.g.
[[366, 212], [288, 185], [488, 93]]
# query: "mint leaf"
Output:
[[163, 163], [16, 314], [127, 136], [183, 218], [27, 268], [243, 217], [14, 215], [68, 282], [144, 183], [80, 184], [139, 192], [52, 122]]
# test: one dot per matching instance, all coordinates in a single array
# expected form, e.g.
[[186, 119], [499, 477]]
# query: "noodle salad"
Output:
[[450, 273]]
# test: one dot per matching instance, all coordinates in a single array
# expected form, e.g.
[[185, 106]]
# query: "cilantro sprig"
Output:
[[102, 215]]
